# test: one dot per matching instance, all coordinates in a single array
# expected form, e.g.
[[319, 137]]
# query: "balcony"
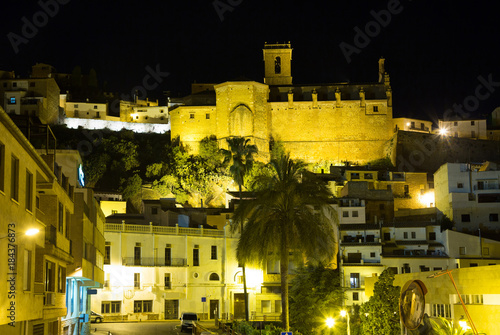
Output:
[[151, 261], [149, 229]]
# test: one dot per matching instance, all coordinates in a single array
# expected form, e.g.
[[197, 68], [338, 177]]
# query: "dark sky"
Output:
[[435, 50]]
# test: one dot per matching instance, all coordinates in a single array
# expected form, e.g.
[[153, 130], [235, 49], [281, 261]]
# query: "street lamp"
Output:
[[29, 232], [330, 322], [344, 313]]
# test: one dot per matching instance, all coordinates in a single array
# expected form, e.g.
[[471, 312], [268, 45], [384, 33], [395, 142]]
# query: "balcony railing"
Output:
[[151, 261], [149, 229]]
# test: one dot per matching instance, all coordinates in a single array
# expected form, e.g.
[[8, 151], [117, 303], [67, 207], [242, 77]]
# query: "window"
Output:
[[273, 266], [345, 214], [472, 123], [196, 257], [214, 277], [460, 185], [154, 210], [75, 105], [372, 254], [355, 280], [432, 236], [277, 306], [107, 283], [143, 306], [413, 234], [472, 133], [277, 65], [266, 306], [473, 265], [493, 217], [354, 176], [368, 176], [465, 217], [107, 254], [14, 179], [355, 296], [455, 124], [191, 116], [461, 250], [207, 116], [381, 207], [61, 279], [137, 254], [61, 218], [486, 251], [12, 101], [375, 109], [14, 84], [355, 214], [2, 166], [137, 280], [405, 235], [387, 236], [27, 270], [442, 310], [110, 307], [29, 191], [168, 281], [50, 276], [168, 256], [95, 106], [406, 268], [213, 254]]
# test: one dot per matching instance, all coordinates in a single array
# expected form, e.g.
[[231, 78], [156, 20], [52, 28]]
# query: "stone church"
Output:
[[334, 122]]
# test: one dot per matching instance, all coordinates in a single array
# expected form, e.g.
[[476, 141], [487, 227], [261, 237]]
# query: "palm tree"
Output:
[[292, 212], [240, 153]]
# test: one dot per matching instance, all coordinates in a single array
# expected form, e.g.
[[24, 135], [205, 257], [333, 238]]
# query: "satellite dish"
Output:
[[412, 304]]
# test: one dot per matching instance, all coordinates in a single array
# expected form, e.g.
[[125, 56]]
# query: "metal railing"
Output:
[[152, 261], [149, 229]]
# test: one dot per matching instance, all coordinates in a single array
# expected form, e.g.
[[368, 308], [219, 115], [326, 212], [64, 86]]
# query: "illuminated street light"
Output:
[[330, 322], [32, 231], [443, 131]]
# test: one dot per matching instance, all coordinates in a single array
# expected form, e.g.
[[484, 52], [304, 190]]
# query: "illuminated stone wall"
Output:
[[334, 131]]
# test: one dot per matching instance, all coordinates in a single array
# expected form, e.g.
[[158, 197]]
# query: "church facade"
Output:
[[336, 122]]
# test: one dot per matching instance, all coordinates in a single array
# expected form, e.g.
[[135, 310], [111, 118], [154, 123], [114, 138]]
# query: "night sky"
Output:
[[435, 50]]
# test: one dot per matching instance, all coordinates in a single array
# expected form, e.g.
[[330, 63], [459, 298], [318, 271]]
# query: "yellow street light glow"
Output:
[[443, 131], [330, 322], [32, 231], [343, 313]]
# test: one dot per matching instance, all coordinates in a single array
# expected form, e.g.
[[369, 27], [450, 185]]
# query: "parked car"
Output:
[[96, 317], [187, 319]]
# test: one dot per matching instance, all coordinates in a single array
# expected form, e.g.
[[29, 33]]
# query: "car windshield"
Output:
[[189, 317]]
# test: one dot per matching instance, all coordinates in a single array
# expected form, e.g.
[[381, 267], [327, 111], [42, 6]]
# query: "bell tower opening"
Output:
[[277, 64]]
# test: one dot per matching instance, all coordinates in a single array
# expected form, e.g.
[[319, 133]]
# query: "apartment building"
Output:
[[469, 194], [33, 194]]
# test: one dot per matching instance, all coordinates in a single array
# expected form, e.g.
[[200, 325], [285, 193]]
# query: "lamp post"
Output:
[[344, 313]]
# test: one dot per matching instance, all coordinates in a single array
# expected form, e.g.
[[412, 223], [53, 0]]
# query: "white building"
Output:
[[474, 129], [469, 194]]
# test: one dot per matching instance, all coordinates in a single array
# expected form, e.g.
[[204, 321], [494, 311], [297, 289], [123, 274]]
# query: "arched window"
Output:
[[277, 65], [214, 277]]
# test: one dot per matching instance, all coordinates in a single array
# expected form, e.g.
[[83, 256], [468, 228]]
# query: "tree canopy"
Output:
[[291, 213]]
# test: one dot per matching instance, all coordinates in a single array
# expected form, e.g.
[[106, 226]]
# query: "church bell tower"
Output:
[[277, 64]]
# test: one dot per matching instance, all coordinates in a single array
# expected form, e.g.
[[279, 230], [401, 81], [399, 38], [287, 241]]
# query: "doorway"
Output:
[[239, 305], [214, 309], [171, 309]]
